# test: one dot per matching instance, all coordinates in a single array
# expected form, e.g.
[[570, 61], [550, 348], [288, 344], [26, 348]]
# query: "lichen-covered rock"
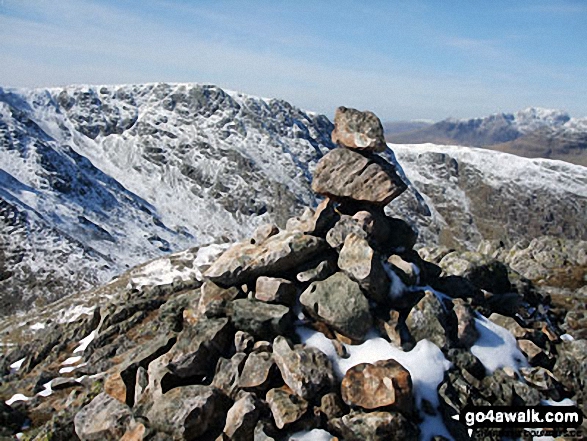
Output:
[[261, 320], [374, 426], [213, 298], [306, 371], [483, 272], [429, 320], [280, 253], [339, 302], [358, 130], [199, 346], [105, 418], [188, 412], [384, 383], [348, 176], [286, 408]]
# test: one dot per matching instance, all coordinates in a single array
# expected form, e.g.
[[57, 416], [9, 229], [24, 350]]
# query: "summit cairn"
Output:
[[333, 327], [354, 172]]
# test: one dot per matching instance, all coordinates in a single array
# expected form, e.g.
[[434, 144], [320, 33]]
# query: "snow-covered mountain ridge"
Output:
[[533, 132], [96, 179]]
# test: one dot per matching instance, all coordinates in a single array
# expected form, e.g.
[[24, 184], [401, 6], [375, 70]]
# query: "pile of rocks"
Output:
[[227, 359]]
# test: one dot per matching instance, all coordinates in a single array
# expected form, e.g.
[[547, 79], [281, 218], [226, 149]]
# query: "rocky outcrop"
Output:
[[287, 332]]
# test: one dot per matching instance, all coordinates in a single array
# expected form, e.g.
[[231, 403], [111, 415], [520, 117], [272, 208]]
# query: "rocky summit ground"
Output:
[[334, 327]]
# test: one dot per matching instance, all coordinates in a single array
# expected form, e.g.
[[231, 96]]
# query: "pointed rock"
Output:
[[306, 371], [242, 418], [362, 264]]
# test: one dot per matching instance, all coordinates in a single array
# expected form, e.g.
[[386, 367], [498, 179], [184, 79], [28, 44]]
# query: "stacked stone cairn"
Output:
[[224, 359]]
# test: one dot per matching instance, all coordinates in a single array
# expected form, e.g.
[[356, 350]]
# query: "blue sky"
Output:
[[401, 59]]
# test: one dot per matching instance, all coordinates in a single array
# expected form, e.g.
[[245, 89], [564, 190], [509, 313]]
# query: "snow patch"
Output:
[[17, 364], [85, 342], [496, 347], [425, 362], [311, 435]]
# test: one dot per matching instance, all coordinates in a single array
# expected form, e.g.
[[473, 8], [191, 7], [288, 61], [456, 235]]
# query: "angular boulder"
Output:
[[275, 290], [105, 418], [375, 426], [280, 253], [344, 175], [286, 408], [384, 383], [358, 130], [188, 412], [363, 264], [306, 371], [339, 302]]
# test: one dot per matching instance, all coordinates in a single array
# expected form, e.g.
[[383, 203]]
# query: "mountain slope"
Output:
[[97, 179], [476, 194], [533, 133]]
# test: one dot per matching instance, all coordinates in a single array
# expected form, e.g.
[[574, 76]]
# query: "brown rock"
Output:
[[345, 175], [286, 408], [275, 290], [115, 387], [384, 383], [358, 130], [467, 333], [135, 433], [256, 373]]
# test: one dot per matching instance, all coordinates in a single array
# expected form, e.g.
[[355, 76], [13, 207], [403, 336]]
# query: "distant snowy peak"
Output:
[[533, 132], [533, 118]]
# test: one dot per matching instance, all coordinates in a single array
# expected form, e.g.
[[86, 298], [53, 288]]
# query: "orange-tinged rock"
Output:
[[384, 383]]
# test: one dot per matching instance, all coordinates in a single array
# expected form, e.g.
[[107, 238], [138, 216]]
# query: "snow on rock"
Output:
[[15, 398], [96, 179], [425, 362], [496, 347], [17, 364], [85, 342], [311, 435]]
